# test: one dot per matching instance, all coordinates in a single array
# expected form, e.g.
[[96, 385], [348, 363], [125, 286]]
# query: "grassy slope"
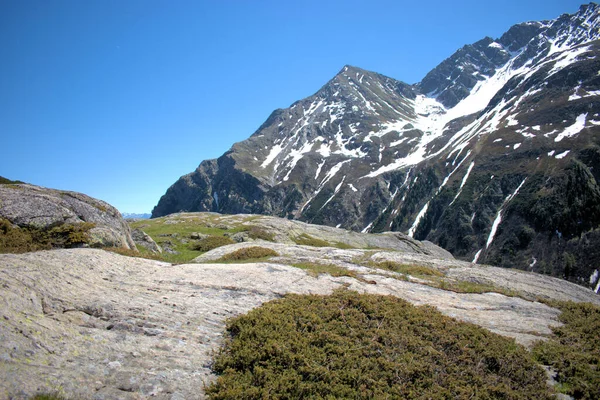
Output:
[[178, 234]]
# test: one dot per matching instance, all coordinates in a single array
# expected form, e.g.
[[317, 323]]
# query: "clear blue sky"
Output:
[[119, 98]]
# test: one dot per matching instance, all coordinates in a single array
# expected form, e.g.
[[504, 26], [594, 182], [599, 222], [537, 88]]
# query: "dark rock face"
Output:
[[26, 205], [476, 158], [453, 79]]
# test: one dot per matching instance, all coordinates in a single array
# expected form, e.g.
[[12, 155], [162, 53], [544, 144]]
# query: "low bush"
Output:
[[249, 253], [6, 181], [211, 242], [574, 351], [48, 396], [348, 345], [14, 239], [69, 235]]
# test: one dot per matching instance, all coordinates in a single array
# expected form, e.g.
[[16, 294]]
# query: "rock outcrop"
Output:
[[96, 325], [29, 206], [293, 232], [142, 239]]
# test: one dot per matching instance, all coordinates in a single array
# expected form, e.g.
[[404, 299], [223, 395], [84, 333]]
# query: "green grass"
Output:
[[348, 345], [142, 253], [186, 225], [180, 232], [408, 269], [249, 253], [210, 243], [316, 269], [307, 240], [343, 246], [574, 350], [208, 224], [473, 287], [183, 256], [435, 278]]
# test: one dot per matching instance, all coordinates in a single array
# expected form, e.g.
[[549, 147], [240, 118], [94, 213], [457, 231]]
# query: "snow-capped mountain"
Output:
[[494, 155], [135, 215]]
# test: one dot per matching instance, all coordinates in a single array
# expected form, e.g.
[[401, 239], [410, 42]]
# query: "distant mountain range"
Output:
[[136, 215], [494, 155]]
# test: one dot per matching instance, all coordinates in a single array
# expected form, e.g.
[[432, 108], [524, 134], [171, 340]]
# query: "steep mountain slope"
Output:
[[494, 155]]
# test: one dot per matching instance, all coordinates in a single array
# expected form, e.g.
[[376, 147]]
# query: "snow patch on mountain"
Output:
[[420, 215], [567, 58], [572, 130], [275, 151], [462, 183], [498, 218], [295, 156]]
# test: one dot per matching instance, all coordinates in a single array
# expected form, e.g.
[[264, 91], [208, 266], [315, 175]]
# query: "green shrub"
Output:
[[249, 253], [48, 396], [211, 242], [14, 239], [69, 235], [356, 346], [307, 240], [6, 181], [574, 351]]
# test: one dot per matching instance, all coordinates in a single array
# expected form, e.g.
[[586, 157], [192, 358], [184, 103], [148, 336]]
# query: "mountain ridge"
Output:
[[370, 153]]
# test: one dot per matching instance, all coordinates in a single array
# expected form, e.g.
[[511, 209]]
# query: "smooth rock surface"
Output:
[[97, 325]]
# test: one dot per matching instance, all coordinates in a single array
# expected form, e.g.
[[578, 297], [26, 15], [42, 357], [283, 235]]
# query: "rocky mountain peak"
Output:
[[519, 35], [454, 79], [443, 160], [575, 29]]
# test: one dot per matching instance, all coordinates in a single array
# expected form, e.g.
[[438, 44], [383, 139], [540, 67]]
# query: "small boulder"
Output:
[[242, 237], [167, 247], [141, 238], [198, 236]]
